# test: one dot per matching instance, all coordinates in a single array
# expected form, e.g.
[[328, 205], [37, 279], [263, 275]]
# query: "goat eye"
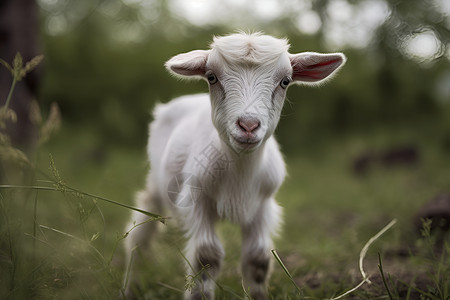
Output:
[[211, 78], [285, 82]]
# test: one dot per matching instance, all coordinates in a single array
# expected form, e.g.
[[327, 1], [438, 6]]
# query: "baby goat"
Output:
[[213, 156]]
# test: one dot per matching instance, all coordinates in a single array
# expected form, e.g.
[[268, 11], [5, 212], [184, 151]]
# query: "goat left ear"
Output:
[[315, 68], [188, 64]]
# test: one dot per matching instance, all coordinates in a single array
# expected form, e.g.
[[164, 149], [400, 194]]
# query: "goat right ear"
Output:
[[188, 64]]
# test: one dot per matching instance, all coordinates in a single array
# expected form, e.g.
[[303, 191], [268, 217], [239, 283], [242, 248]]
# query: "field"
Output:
[[367, 154], [58, 241]]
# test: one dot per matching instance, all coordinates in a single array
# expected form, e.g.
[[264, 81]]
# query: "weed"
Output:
[[362, 255], [435, 281], [47, 267]]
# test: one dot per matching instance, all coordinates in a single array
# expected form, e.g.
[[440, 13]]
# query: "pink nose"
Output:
[[248, 124]]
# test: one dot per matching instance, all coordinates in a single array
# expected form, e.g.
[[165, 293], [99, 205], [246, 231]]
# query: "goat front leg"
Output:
[[204, 254], [257, 243]]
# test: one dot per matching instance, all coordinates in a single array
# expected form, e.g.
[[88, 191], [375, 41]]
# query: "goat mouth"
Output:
[[246, 142]]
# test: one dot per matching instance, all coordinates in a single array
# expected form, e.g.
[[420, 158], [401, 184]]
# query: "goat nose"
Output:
[[248, 124]]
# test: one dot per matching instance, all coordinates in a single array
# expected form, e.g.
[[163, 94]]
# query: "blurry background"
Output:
[[104, 60], [371, 145]]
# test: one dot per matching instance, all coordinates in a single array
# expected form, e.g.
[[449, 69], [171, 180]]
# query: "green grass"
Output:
[[69, 245]]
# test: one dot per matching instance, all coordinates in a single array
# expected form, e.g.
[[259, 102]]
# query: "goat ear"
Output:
[[315, 68], [188, 64]]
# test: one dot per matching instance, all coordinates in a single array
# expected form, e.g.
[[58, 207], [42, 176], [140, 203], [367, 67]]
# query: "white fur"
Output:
[[233, 172]]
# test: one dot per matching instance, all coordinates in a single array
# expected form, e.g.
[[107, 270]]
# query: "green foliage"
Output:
[[25, 262], [112, 85]]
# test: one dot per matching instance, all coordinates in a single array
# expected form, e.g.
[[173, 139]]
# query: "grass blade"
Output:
[[386, 285], [280, 262], [100, 255], [362, 255], [75, 191]]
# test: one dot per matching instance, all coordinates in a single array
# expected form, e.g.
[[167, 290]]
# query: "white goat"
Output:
[[214, 156]]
